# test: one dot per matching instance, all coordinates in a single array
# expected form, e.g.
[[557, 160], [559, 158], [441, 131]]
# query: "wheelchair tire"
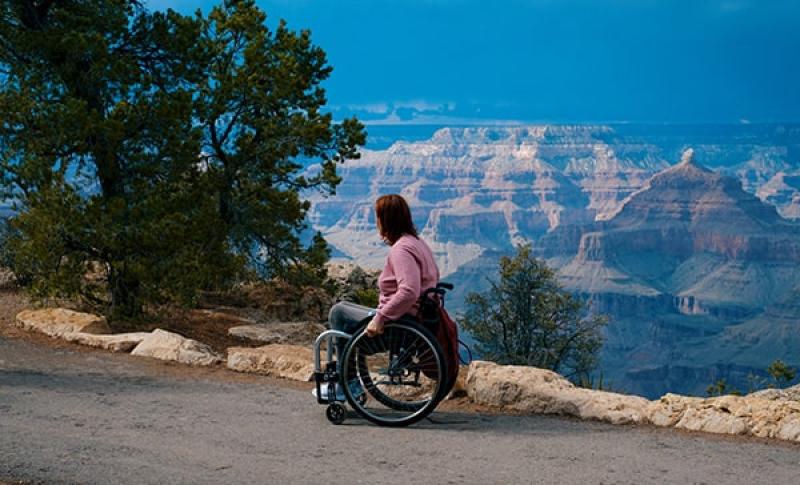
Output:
[[403, 351]]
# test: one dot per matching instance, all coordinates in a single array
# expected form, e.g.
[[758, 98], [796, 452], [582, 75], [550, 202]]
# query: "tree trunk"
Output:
[[125, 295]]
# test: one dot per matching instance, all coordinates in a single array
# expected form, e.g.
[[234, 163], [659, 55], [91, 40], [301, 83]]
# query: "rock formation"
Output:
[[765, 414], [276, 360], [164, 345], [685, 256], [56, 322], [119, 342]]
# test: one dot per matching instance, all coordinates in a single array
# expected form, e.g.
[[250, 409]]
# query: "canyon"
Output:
[[686, 236]]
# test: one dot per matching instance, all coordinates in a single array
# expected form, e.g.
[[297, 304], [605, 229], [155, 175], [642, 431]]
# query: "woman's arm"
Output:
[[408, 276]]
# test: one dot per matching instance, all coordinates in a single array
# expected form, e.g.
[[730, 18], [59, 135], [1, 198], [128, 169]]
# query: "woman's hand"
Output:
[[375, 327]]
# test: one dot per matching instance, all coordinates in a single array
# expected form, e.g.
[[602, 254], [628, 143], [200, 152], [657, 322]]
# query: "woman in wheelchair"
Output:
[[390, 362]]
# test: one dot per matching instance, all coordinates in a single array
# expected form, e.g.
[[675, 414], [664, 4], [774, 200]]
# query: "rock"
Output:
[[533, 390], [788, 394], [460, 387], [56, 322], [744, 415], [296, 333], [277, 360], [668, 410], [119, 342], [351, 280], [725, 415], [164, 345]]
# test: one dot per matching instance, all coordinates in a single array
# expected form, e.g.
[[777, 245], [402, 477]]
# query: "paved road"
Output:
[[69, 416]]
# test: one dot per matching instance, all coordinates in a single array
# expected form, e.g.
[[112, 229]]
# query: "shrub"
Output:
[[526, 318]]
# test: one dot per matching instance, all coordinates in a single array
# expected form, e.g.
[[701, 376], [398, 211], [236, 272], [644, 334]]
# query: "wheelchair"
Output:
[[393, 379]]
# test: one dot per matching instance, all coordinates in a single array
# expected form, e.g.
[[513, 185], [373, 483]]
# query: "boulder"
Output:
[[296, 333], [164, 345], [533, 390], [745, 415], [668, 410], [278, 360], [56, 322], [119, 342], [724, 415]]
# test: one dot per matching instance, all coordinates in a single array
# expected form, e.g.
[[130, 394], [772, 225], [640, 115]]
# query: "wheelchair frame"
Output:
[[329, 374]]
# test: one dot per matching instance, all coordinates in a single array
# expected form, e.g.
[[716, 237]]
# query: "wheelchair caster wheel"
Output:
[[335, 413]]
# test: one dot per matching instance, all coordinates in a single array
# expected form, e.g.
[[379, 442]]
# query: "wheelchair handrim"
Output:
[[423, 407]]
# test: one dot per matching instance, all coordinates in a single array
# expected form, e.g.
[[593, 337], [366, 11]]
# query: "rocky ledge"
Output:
[[56, 322], [764, 414], [164, 345], [93, 330], [539, 391], [277, 360]]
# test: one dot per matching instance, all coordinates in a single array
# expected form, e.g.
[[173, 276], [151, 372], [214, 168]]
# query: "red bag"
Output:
[[447, 336], [445, 331]]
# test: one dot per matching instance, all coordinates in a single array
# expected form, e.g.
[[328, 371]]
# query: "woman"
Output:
[[409, 269]]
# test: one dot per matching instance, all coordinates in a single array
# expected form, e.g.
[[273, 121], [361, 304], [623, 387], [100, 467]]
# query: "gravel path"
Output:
[[73, 416]]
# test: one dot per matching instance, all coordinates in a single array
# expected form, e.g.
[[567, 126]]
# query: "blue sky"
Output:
[[439, 61]]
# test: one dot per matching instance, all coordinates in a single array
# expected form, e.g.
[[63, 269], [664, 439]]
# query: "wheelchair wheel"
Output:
[[400, 372]]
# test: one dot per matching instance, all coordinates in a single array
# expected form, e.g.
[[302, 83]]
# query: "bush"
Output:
[[526, 318], [780, 376], [781, 373], [721, 388], [367, 297]]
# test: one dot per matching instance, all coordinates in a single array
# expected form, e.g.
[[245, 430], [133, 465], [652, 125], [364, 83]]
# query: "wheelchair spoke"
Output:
[[398, 370]]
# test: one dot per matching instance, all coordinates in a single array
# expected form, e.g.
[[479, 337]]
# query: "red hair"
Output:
[[394, 217]]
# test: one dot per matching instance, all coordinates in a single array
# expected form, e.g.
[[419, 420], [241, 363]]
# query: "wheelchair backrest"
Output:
[[429, 302]]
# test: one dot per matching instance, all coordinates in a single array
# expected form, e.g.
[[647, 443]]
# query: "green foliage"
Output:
[[367, 297], [721, 388], [309, 269], [259, 106], [526, 318], [780, 376], [6, 256], [781, 373], [105, 109]]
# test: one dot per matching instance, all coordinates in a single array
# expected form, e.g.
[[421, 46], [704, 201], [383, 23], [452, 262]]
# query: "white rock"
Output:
[[277, 360], [119, 342], [56, 322], [788, 394], [746, 415], [533, 390], [164, 345], [668, 410]]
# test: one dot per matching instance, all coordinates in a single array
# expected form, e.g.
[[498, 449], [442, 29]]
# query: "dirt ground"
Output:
[[208, 325]]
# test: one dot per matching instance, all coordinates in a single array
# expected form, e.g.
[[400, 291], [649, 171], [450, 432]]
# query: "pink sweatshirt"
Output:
[[410, 269]]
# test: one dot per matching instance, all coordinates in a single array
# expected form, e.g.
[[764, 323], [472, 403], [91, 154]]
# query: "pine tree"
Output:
[[155, 153], [526, 318]]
